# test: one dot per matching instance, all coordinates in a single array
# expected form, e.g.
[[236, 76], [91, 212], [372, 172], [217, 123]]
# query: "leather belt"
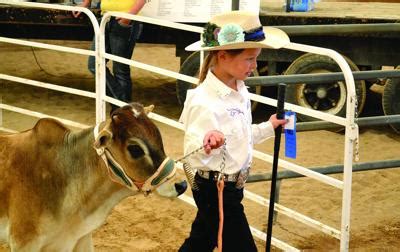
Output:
[[213, 175]]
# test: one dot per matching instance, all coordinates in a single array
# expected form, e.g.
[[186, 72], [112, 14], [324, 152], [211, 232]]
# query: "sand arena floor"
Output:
[[157, 224]]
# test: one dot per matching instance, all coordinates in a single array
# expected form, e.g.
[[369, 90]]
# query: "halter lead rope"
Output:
[[220, 186], [188, 169]]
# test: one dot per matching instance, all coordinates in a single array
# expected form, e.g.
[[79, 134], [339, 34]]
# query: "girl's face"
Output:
[[239, 66]]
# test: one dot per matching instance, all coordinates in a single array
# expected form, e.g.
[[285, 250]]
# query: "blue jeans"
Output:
[[120, 41]]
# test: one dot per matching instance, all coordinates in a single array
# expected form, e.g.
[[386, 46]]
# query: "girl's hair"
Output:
[[211, 59]]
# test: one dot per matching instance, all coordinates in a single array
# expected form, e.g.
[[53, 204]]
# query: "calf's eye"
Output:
[[136, 151]]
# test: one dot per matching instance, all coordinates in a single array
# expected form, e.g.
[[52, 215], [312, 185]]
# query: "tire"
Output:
[[391, 100], [191, 67], [326, 97]]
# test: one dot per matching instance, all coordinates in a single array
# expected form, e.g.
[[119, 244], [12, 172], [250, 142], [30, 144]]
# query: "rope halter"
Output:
[[117, 173]]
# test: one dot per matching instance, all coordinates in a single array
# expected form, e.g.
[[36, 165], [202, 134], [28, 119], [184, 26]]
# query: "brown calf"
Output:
[[58, 185]]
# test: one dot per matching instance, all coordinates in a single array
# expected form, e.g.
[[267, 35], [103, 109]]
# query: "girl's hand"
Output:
[[213, 140], [276, 122]]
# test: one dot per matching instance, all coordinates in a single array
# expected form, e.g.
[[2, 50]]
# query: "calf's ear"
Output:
[[104, 137], [148, 109]]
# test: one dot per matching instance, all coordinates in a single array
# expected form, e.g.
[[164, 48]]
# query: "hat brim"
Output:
[[274, 38]]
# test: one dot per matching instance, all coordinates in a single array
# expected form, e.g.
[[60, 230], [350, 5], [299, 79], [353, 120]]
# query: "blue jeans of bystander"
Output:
[[120, 41]]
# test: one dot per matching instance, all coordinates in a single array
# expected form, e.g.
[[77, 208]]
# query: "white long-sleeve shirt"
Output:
[[215, 106]]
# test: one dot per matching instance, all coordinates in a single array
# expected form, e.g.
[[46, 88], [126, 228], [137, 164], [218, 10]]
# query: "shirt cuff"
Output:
[[263, 131]]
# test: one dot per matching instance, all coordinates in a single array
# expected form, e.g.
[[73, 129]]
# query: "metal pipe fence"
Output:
[[351, 128], [333, 169], [266, 81]]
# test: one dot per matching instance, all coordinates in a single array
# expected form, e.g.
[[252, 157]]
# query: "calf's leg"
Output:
[[85, 244]]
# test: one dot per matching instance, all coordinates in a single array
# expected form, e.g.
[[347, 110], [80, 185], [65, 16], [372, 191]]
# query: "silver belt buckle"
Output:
[[203, 174], [230, 177], [216, 176]]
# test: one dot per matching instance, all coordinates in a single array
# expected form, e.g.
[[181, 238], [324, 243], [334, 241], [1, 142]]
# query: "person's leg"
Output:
[[122, 42], [203, 235], [92, 59], [236, 232], [110, 81]]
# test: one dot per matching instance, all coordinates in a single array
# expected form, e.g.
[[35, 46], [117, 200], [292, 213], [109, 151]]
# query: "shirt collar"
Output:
[[221, 89]]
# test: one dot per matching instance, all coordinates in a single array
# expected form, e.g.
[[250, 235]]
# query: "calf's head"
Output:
[[132, 148]]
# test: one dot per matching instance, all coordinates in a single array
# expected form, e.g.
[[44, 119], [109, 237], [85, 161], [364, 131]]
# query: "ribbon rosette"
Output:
[[210, 34], [230, 33]]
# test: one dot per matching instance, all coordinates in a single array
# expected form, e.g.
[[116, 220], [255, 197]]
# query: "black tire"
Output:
[[191, 67], [327, 97], [391, 100]]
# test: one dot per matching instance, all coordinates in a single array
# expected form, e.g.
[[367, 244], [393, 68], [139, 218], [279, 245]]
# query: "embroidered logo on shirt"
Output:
[[234, 111]]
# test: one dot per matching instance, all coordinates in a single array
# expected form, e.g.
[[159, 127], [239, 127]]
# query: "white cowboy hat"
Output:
[[238, 30]]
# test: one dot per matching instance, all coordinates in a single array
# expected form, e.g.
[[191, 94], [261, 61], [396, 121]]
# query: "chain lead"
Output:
[[189, 154], [222, 166], [190, 172]]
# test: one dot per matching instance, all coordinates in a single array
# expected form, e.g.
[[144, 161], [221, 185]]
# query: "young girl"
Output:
[[217, 115]]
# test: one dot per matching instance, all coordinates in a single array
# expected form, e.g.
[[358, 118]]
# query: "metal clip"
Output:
[[220, 175], [100, 151]]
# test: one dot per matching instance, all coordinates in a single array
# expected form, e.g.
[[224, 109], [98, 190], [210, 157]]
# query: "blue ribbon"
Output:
[[290, 135], [256, 35]]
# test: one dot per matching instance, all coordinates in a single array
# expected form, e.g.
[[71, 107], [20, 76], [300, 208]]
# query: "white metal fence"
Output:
[[351, 129]]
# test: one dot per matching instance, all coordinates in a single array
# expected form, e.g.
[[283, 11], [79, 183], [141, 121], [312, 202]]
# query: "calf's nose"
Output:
[[181, 187]]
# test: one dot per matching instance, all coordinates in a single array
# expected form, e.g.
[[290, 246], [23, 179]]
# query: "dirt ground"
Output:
[[158, 224]]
